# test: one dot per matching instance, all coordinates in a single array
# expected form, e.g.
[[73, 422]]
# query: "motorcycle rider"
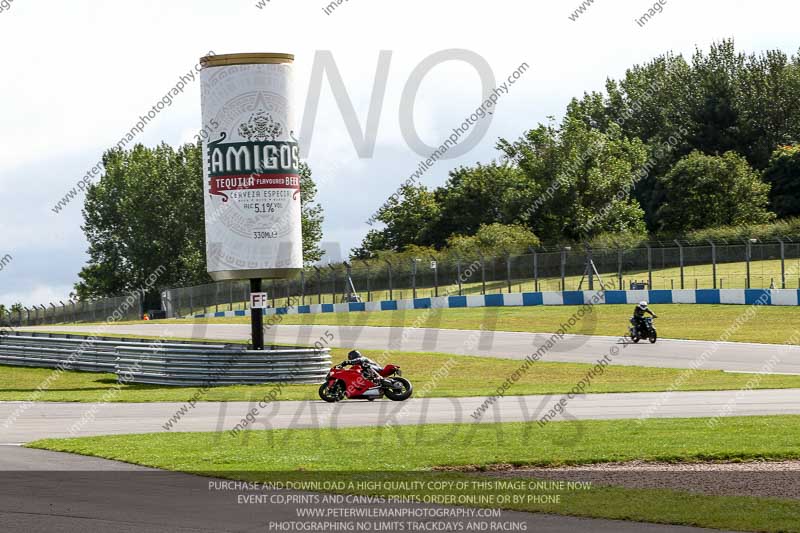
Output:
[[369, 368], [638, 315]]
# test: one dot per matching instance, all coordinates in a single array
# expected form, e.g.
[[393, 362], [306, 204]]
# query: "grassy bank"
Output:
[[463, 376], [772, 325]]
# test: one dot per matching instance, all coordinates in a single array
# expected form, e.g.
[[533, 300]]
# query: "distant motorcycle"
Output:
[[645, 331], [341, 383]]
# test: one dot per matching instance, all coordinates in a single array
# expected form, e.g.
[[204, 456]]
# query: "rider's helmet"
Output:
[[355, 354], [643, 305]]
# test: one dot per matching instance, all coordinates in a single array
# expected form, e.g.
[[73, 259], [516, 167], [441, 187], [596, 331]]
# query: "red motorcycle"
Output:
[[350, 383]]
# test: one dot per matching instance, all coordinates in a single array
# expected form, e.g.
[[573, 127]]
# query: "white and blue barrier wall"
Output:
[[783, 297]]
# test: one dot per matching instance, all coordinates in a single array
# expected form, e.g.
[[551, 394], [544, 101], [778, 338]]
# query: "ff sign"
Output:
[[258, 300]]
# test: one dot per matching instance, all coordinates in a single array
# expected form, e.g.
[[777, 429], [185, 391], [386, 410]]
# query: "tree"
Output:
[[145, 216], [783, 174], [493, 240], [408, 221], [578, 180], [477, 196], [724, 99], [312, 216], [705, 191]]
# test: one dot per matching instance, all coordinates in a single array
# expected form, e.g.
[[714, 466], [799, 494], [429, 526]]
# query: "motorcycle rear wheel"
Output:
[[399, 394], [332, 394]]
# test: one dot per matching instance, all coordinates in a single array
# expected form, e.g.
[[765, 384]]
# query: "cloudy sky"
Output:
[[76, 75]]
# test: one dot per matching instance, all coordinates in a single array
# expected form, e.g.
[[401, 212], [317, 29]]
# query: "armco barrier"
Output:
[[173, 364], [781, 297]]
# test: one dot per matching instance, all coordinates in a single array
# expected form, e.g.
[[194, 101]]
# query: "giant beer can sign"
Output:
[[251, 167]]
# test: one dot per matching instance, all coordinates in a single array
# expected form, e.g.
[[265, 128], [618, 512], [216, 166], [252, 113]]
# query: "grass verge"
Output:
[[691, 322], [458, 376], [295, 454]]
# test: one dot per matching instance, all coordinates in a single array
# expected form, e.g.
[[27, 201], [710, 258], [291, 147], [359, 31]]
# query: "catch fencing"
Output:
[[661, 266], [116, 308]]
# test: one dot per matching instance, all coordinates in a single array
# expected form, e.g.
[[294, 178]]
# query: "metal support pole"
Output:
[[349, 274], [619, 268], [369, 287], [563, 269], [391, 285], [414, 278], [713, 261], [333, 277], [483, 276], [257, 318], [435, 276], [649, 267], [783, 263], [535, 270], [302, 287], [680, 253], [319, 285], [508, 272], [589, 266], [458, 271], [748, 253]]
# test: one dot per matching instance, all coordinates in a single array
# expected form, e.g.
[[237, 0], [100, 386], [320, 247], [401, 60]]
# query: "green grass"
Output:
[[771, 325], [18, 383], [328, 455]]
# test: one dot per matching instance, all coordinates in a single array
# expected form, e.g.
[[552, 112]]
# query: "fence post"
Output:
[[713, 261], [748, 253], [458, 273], [535, 269], [414, 278], [230, 296], [564, 268], [483, 275], [619, 268], [319, 284], [435, 264], [680, 253], [333, 277], [302, 287], [783, 263], [391, 285], [589, 266], [508, 271], [649, 266]]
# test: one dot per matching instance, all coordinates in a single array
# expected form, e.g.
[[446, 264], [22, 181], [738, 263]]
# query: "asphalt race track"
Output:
[[48, 491], [51, 491], [57, 420], [666, 353]]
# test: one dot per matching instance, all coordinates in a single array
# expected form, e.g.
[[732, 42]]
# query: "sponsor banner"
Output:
[[251, 167]]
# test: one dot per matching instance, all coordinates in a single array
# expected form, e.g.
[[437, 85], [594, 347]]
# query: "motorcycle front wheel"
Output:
[[401, 393], [653, 337], [635, 339], [332, 394]]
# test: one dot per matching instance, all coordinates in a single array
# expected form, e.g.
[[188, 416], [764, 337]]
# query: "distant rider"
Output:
[[369, 368], [638, 315]]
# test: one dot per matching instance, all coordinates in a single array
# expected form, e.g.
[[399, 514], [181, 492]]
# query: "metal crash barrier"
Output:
[[182, 364]]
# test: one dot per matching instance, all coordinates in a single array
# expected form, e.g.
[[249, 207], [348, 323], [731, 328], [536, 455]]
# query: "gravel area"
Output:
[[779, 479]]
